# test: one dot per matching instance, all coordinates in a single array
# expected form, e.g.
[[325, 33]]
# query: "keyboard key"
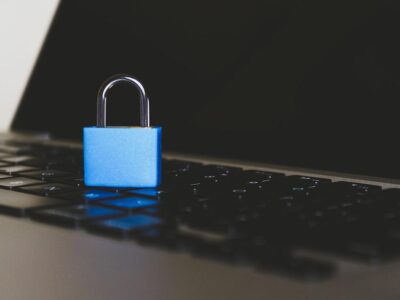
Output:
[[75, 215], [13, 182], [307, 183], [3, 155], [389, 198], [258, 175], [130, 203], [48, 189], [151, 193], [126, 225], [15, 169], [306, 179], [217, 169], [356, 188], [65, 166], [91, 195], [115, 189], [53, 164], [46, 174], [177, 177], [34, 162], [19, 204], [211, 208], [15, 149], [16, 159], [76, 181], [367, 244]]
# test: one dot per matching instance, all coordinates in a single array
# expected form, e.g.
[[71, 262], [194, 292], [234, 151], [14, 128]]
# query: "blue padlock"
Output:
[[122, 156]]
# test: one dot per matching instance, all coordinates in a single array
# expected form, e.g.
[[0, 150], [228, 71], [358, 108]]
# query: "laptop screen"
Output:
[[312, 83]]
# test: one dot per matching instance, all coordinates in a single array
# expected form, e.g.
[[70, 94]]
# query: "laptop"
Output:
[[280, 172]]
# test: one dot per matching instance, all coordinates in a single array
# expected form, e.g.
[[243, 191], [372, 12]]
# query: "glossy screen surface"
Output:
[[306, 83]]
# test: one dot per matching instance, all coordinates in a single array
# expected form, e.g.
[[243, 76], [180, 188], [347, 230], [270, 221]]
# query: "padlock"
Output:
[[122, 156]]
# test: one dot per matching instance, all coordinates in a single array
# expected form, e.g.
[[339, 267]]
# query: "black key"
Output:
[[3, 155], [309, 184], [208, 180], [46, 174], [15, 149], [48, 189], [306, 179], [20, 204], [126, 225], [65, 166], [130, 203], [177, 177], [365, 251], [217, 169], [205, 186], [211, 235], [257, 175], [75, 215], [389, 198], [15, 169], [121, 190], [369, 244], [76, 181], [13, 182], [34, 162], [16, 159], [53, 164], [91, 195], [355, 188], [151, 193], [338, 193]]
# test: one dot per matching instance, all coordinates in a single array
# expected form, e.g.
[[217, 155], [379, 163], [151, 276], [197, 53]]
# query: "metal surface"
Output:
[[43, 262], [102, 99]]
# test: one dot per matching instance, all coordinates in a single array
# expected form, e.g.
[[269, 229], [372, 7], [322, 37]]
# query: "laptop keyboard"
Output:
[[263, 219]]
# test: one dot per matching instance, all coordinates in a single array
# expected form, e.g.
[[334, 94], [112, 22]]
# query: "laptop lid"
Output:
[[310, 84]]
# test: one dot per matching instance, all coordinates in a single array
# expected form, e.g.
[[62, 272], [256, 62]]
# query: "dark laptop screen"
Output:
[[306, 83]]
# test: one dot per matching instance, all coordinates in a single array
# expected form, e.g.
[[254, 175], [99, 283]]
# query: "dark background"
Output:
[[306, 83]]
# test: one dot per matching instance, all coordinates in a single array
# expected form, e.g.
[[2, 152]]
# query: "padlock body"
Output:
[[122, 156]]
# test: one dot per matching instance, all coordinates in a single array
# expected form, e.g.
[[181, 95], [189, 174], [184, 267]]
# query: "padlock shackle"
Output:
[[102, 99]]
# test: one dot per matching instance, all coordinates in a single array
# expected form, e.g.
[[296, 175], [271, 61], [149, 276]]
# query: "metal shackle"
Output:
[[102, 99]]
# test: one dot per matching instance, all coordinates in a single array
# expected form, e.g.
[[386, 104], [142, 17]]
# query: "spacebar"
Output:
[[19, 204]]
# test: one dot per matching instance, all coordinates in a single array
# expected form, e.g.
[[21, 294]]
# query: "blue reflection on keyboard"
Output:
[[90, 195], [131, 203], [147, 192], [130, 222]]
